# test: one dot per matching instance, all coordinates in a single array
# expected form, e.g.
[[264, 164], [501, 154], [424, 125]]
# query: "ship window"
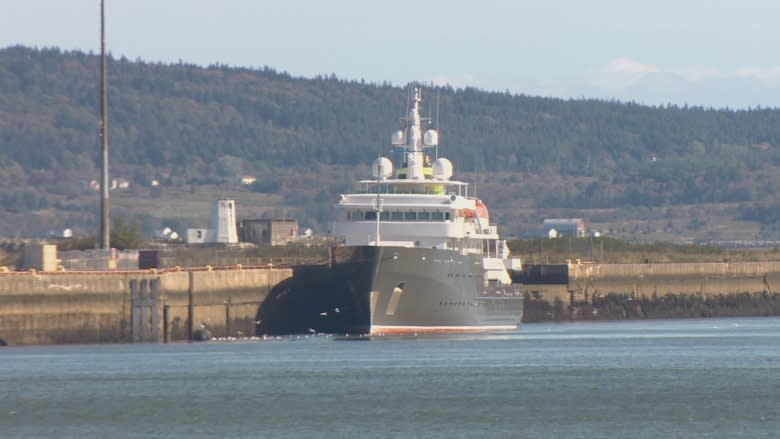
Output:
[[437, 216], [397, 216], [371, 215], [424, 216], [385, 216], [410, 216], [447, 216]]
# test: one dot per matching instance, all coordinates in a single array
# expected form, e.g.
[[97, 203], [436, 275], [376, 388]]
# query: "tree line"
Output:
[[195, 125]]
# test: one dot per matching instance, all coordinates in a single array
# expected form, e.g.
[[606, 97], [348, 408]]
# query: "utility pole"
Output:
[[105, 240]]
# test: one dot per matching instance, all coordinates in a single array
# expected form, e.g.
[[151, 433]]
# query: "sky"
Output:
[[713, 53]]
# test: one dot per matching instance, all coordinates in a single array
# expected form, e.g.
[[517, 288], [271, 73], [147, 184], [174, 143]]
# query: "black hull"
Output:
[[390, 290], [329, 299]]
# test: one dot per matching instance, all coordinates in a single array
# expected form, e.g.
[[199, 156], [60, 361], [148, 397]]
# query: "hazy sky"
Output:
[[700, 52]]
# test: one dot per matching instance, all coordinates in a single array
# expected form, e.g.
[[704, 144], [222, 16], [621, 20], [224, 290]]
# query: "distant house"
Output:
[[117, 183], [120, 183], [196, 236], [558, 227], [248, 179], [269, 231]]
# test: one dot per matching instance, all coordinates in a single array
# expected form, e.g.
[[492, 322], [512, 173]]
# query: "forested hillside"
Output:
[[306, 139]]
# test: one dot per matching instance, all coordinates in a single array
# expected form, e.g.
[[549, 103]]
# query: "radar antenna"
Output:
[[438, 95]]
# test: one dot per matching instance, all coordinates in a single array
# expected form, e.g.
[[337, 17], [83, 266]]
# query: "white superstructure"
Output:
[[420, 206]]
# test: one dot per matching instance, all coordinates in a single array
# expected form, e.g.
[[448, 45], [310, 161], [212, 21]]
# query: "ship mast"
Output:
[[378, 202], [414, 157]]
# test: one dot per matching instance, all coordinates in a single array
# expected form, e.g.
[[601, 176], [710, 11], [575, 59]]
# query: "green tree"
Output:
[[126, 235]]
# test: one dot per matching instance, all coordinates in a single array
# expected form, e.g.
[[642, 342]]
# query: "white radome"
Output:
[[442, 169], [398, 138], [431, 138], [384, 165]]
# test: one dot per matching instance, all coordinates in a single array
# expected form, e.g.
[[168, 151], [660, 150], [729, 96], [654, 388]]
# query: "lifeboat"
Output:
[[481, 211]]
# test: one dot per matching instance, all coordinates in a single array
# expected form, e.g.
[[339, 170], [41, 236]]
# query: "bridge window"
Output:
[[355, 215], [398, 216]]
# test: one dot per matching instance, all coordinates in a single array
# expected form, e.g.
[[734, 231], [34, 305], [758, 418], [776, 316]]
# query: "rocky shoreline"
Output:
[[616, 306]]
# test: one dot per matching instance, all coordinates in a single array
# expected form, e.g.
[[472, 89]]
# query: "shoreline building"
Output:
[[222, 225], [571, 227]]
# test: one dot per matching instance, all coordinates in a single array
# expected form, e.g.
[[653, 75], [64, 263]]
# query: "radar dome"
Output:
[[398, 138], [431, 138], [442, 169], [382, 167]]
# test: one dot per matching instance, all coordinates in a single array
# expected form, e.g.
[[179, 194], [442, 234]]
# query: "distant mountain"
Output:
[[662, 88], [305, 139]]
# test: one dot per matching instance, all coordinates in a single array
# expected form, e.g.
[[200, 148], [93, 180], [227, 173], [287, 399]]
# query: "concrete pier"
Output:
[[127, 306], [668, 290], [149, 306]]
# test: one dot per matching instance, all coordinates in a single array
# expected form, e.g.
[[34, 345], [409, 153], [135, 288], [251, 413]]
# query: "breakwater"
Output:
[[175, 304], [128, 306], [667, 290]]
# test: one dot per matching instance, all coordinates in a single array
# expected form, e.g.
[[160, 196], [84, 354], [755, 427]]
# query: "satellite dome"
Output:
[[431, 138], [442, 169], [398, 138], [382, 167]]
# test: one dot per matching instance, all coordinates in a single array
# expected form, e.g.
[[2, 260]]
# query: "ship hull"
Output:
[[393, 290], [428, 290]]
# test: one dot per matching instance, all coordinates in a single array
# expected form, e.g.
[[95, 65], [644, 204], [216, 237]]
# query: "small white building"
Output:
[[559, 227], [222, 226], [120, 183]]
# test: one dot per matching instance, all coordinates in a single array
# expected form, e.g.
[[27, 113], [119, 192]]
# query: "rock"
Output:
[[202, 334]]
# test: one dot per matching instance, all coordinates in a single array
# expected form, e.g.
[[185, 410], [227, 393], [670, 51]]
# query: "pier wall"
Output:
[[668, 290], [226, 302], [139, 306], [127, 306]]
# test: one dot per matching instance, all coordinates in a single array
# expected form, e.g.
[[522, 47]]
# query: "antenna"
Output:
[[408, 99], [105, 235], [438, 95], [475, 180]]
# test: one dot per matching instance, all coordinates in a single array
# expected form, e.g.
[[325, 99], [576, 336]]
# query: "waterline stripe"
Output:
[[380, 329]]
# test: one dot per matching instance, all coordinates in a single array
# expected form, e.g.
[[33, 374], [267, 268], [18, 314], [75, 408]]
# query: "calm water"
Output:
[[717, 378]]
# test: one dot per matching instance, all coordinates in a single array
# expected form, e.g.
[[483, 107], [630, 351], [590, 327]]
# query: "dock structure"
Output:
[[174, 304], [59, 307], [596, 291]]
